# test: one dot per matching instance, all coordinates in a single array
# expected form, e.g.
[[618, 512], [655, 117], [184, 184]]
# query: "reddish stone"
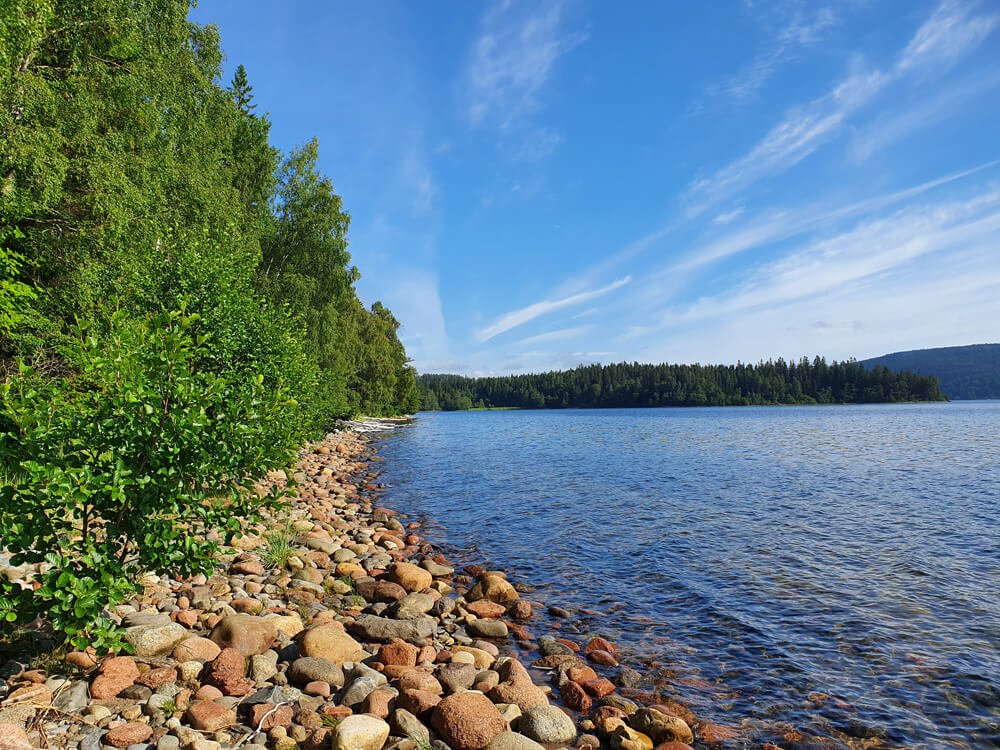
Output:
[[576, 697], [156, 678], [206, 716], [318, 688], [208, 693], [186, 617], [417, 679], [486, 608], [600, 644], [602, 657], [116, 674], [280, 717], [599, 687], [378, 703], [35, 676], [246, 605], [336, 712], [520, 610], [519, 632], [417, 702], [228, 673], [714, 734], [581, 674], [398, 652], [681, 746], [82, 659], [182, 699], [128, 734], [568, 644], [427, 653], [467, 721], [247, 568]]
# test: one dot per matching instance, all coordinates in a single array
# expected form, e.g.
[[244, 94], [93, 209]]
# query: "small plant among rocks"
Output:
[[279, 545]]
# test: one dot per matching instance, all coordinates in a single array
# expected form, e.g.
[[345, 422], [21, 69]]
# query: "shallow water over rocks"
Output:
[[834, 567]]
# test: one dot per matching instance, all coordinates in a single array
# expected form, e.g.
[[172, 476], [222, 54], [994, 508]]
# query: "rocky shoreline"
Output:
[[334, 625]]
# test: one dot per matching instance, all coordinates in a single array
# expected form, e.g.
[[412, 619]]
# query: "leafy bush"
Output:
[[116, 470]]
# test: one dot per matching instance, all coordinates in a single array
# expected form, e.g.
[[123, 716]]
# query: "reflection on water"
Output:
[[830, 566]]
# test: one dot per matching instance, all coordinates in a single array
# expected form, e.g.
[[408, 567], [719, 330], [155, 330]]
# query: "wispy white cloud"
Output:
[[952, 30], [902, 122], [562, 334], [784, 224], [872, 248], [728, 216], [800, 32], [516, 318], [918, 277], [513, 58]]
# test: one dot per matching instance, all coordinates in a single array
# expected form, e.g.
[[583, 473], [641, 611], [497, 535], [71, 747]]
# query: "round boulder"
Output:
[[468, 721], [247, 634], [548, 724]]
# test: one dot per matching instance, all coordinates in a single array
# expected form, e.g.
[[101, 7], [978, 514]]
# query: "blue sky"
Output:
[[538, 184]]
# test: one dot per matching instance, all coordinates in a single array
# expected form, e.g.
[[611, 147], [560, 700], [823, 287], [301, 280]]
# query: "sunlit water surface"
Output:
[[835, 567]]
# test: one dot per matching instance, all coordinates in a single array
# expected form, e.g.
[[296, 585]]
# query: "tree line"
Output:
[[648, 385], [177, 303]]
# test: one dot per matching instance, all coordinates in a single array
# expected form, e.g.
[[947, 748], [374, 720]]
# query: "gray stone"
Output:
[[168, 742], [436, 569], [315, 668], [155, 639], [548, 646], [72, 699], [274, 695], [91, 738], [375, 628], [323, 546], [406, 724], [547, 724], [357, 691], [358, 669], [263, 666], [456, 677], [487, 628], [145, 619], [513, 741], [412, 606]]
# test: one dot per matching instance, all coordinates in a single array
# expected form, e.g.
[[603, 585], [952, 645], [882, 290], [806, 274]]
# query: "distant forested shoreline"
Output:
[[626, 384]]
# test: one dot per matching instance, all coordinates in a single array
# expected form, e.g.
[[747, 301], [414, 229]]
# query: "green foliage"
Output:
[[636, 385], [120, 463], [14, 294]]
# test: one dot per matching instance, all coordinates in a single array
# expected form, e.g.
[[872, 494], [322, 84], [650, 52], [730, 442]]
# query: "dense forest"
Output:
[[965, 372], [177, 307], [640, 385], [134, 180]]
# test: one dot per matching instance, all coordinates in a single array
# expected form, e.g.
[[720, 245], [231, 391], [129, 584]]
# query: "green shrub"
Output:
[[120, 468]]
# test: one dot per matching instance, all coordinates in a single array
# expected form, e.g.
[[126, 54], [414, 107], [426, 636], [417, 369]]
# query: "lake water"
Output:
[[836, 567]]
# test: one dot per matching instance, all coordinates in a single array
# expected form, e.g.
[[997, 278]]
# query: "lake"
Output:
[[836, 567]]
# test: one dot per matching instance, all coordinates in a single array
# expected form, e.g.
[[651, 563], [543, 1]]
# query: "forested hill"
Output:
[[965, 372], [642, 385], [136, 182]]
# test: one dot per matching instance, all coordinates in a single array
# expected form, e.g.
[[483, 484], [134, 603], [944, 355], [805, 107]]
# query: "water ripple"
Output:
[[770, 553]]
